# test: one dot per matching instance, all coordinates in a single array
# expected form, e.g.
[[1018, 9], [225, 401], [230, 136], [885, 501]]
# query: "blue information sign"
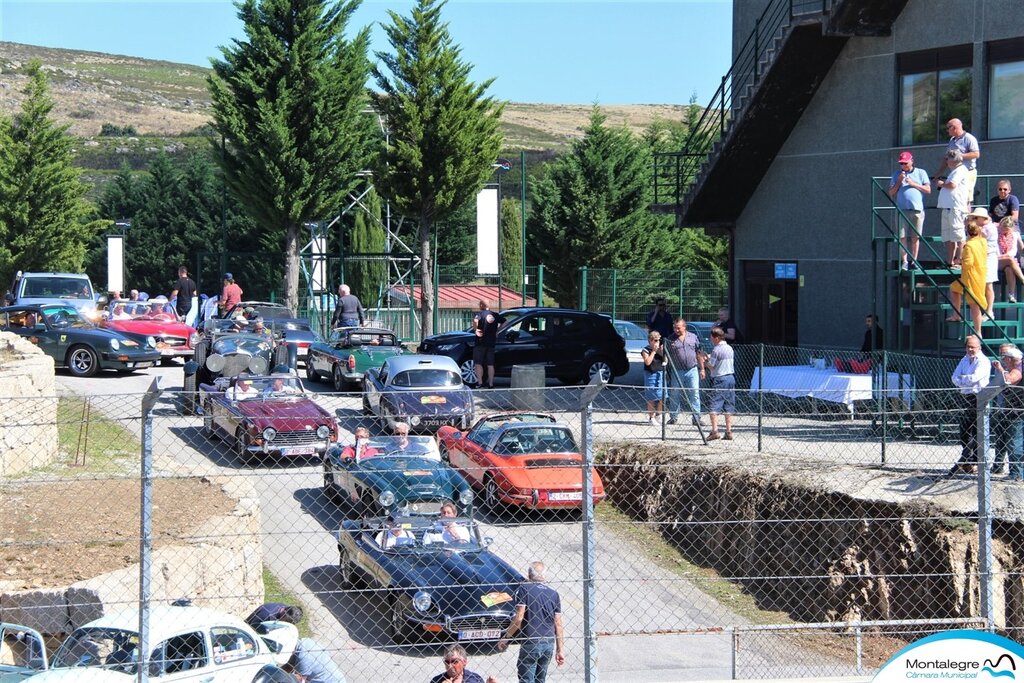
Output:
[[785, 271]]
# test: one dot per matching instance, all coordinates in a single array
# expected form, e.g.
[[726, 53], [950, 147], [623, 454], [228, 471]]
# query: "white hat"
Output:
[[979, 212]]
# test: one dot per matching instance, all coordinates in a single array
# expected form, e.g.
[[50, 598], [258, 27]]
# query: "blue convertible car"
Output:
[[441, 579], [424, 391]]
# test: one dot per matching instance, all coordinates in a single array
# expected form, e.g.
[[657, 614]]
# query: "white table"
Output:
[[827, 384]]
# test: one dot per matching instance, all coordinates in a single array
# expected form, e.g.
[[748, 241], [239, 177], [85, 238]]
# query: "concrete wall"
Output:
[[28, 411], [814, 204]]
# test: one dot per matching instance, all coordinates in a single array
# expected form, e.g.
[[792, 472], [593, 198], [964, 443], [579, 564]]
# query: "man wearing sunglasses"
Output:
[[455, 669], [1004, 204]]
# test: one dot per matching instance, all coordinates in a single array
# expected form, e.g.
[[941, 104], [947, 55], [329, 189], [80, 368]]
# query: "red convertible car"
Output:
[[143, 319], [266, 415], [523, 459]]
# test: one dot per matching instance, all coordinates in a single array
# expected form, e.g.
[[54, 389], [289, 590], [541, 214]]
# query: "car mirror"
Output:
[[488, 541], [39, 326]]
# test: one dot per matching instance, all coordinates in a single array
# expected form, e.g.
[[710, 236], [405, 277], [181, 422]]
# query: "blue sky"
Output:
[[643, 52]]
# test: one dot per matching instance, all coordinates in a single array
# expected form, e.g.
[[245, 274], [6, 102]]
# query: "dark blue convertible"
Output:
[[441, 579]]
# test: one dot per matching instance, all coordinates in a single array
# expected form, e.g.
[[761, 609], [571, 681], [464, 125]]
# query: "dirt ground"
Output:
[[57, 533]]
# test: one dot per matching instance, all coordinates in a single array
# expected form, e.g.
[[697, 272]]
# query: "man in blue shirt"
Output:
[[908, 187], [310, 663], [539, 617], [455, 671]]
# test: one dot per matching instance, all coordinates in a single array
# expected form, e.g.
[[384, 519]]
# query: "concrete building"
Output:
[[823, 95]]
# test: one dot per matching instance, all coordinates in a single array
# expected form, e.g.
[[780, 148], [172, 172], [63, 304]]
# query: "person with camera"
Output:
[[659, 319]]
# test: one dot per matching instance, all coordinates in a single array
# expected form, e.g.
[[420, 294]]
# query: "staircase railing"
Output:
[[675, 171]]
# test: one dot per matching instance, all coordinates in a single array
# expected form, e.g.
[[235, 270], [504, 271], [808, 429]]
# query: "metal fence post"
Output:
[[682, 274], [146, 526], [540, 284], [615, 292], [884, 401], [985, 562], [589, 634], [760, 395], [734, 651], [583, 288]]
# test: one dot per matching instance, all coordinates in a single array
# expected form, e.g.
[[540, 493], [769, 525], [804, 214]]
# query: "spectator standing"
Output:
[[310, 663], [965, 143], [1006, 427], [874, 337], [653, 356], [485, 327], [991, 233], [230, 294], [908, 187], [971, 376], [1004, 204], [952, 203], [539, 616], [1009, 246], [455, 671], [728, 325], [723, 383], [184, 291], [349, 310], [659, 319], [972, 277], [686, 370]]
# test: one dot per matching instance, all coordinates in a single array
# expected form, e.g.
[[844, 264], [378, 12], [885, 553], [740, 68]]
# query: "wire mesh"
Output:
[[824, 536]]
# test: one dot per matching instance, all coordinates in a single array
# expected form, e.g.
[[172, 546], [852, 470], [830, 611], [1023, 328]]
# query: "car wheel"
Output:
[[82, 361], [339, 379], [346, 569], [401, 632], [311, 374], [208, 420], [188, 395], [199, 354], [242, 444], [330, 487], [601, 367], [442, 448], [468, 371], [492, 498]]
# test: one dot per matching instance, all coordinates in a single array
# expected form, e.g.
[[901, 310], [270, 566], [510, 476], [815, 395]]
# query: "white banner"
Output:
[[487, 231], [115, 264], [319, 274]]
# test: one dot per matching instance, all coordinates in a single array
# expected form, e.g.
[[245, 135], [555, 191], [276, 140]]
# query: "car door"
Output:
[[184, 657], [567, 345], [474, 456], [235, 655], [373, 383], [521, 343]]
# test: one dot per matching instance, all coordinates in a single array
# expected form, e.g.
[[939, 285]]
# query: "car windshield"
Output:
[[488, 425], [63, 316], [630, 331], [140, 310], [535, 439], [427, 378], [424, 535], [95, 647], [262, 388], [57, 288], [348, 338], [271, 312], [398, 446]]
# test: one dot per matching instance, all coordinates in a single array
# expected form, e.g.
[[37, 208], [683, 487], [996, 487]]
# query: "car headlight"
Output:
[[422, 601], [258, 365], [269, 433], [193, 339], [323, 431], [414, 420], [114, 344], [386, 499], [466, 497], [151, 342]]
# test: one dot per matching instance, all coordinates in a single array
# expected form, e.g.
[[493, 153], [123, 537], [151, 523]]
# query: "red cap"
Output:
[[906, 157]]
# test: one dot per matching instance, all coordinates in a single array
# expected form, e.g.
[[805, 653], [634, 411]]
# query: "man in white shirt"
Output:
[[971, 376], [953, 205]]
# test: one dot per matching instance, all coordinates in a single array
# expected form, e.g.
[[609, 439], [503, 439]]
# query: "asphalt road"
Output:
[[299, 548]]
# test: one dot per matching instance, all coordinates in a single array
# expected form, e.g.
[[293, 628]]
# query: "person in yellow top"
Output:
[[972, 275]]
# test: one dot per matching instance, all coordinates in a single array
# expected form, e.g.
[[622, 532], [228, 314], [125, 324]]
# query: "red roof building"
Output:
[[454, 297]]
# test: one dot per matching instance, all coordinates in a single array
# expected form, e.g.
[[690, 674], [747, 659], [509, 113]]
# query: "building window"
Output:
[[935, 86], [1006, 89]]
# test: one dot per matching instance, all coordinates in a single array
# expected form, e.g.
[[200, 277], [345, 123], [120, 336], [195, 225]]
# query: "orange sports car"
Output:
[[523, 459]]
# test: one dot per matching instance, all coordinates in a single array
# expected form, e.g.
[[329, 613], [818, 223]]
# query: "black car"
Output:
[[440, 579], [573, 346]]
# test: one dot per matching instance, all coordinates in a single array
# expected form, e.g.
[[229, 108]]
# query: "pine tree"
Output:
[[288, 100], [444, 133], [45, 222]]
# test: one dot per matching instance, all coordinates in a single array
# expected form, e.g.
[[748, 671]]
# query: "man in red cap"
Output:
[[908, 187]]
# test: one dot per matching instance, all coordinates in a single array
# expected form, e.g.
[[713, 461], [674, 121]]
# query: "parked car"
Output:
[[635, 338], [571, 345], [436, 587], [296, 332], [348, 353], [188, 644], [528, 460], [74, 342], [273, 415], [393, 475], [423, 391], [142, 320], [68, 289], [22, 652]]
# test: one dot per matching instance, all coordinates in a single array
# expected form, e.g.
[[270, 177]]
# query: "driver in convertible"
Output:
[[242, 388], [447, 530], [394, 534], [279, 388]]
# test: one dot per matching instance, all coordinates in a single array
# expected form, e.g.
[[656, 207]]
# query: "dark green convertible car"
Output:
[[348, 353], [74, 342]]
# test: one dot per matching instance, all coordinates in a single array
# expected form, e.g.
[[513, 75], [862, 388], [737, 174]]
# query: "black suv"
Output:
[[572, 345]]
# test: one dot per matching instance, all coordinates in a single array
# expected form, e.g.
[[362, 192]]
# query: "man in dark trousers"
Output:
[[485, 326], [184, 290], [539, 617], [349, 311], [874, 338]]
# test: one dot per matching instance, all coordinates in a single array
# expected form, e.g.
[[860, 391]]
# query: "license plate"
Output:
[[142, 365], [427, 400], [480, 634], [570, 495], [298, 450]]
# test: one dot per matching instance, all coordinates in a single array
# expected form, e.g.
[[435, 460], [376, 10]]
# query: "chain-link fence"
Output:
[[831, 529], [630, 294]]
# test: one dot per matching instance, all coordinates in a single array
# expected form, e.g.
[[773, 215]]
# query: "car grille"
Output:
[[233, 365], [481, 621], [301, 438], [171, 340]]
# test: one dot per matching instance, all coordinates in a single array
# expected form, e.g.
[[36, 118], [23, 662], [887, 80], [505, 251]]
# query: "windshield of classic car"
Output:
[[262, 388], [21, 649], [419, 446], [123, 309], [346, 338], [251, 344], [63, 316], [487, 426], [427, 378], [425, 535], [97, 647], [535, 439]]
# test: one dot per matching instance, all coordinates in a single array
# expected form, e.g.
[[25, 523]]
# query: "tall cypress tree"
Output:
[[288, 101], [444, 130], [511, 245], [365, 276], [45, 222]]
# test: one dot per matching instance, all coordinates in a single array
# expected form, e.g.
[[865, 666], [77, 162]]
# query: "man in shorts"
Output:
[[908, 187], [485, 327], [952, 203]]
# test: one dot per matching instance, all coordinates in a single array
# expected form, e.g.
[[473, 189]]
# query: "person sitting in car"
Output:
[[361, 449], [242, 389], [447, 530], [394, 534], [279, 387]]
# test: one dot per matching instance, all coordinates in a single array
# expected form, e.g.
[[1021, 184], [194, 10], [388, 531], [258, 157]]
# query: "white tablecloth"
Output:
[[827, 384]]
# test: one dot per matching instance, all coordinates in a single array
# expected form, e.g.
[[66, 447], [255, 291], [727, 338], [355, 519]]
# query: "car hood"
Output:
[[150, 327], [450, 338], [412, 478], [284, 415], [457, 581]]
